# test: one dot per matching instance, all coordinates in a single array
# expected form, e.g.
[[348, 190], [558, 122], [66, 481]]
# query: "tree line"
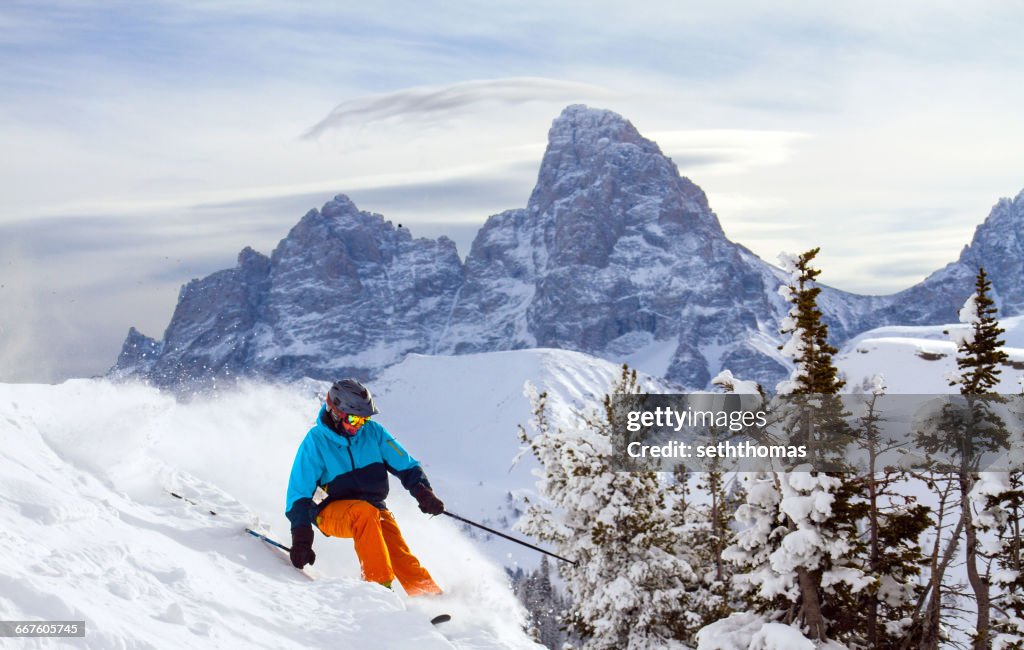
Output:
[[865, 556]]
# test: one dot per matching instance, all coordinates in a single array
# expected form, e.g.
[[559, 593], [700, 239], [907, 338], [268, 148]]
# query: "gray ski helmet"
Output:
[[350, 396]]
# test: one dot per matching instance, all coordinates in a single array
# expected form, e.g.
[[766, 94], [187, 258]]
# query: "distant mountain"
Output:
[[615, 250], [615, 254], [997, 245], [345, 292]]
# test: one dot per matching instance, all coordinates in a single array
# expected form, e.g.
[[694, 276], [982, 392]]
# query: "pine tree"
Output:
[[1002, 516], [542, 602], [818, 419], [894, 523], [822, 606], [629, 591], [1000, 496], [960, 434], [978, 428], [814, 372], [798, 530], [704, 534], [980, 349]]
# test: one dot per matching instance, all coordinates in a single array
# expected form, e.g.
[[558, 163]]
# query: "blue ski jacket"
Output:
[[347, 468]]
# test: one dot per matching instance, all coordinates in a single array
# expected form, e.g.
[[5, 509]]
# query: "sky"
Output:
[[147, 143]]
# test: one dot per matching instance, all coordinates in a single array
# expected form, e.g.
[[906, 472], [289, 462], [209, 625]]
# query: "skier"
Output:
[[349, 457]]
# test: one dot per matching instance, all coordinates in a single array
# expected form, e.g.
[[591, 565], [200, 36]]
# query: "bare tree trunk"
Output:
[[932, 623], [718, 535], [978, 582], [873, 560], [931, 620], [810, 609], [930, 601]]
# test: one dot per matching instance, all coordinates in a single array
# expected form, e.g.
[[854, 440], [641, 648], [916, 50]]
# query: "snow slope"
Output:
[[916, 360], [89, 531]]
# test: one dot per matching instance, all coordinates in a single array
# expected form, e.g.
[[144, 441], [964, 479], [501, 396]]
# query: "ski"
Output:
[[441, 618]]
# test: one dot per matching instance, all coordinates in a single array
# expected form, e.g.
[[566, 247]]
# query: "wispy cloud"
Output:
[[727, 150], [181, 123], [427, 101]]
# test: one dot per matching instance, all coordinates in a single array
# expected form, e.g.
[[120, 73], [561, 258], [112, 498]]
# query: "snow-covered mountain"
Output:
[[615, 255], [615, 251], [346, 292]]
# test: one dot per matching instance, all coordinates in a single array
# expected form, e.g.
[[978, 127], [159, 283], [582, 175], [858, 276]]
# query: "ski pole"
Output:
[[268, 540], [187, 500], [508, 537]]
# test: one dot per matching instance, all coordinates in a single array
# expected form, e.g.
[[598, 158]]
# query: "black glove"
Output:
[[429, 503], [302, 547]]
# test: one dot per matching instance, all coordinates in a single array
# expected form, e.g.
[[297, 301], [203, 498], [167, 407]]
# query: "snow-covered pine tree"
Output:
[[629, 591], [980, 350], [829, 583], [975, 429], [894, 523], [543, 604], [704, 534], [1000, 496], [814, 383], [798, 530], [808, 346], [707, 524]]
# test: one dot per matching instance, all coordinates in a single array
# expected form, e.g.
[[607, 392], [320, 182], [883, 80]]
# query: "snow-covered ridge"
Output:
[[917, 360]]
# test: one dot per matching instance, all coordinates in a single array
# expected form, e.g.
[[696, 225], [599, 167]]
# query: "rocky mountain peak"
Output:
[[601, 180], [609, 227], [252, 260], [587, 131], [595, 146], [1005, 221], [998, 245]]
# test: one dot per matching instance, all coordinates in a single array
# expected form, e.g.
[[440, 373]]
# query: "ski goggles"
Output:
[[357, 420]]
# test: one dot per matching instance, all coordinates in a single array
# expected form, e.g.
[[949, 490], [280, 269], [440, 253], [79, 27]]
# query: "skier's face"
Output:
[[352, 423]]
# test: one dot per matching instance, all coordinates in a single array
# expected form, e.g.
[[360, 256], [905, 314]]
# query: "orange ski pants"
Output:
[[383, 552]]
